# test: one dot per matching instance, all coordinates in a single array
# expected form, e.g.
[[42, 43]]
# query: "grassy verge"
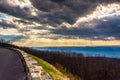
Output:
[[53, 72]]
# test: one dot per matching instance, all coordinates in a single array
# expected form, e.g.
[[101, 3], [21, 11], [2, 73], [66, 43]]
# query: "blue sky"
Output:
[[2, 16]]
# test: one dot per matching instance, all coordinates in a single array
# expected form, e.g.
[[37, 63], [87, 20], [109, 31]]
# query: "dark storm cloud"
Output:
[[53, 12], [63, 10], [102, 31], [67, 10], [23, 21]]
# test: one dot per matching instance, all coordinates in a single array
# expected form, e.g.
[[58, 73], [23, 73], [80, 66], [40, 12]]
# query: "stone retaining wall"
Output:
[[36, 72]]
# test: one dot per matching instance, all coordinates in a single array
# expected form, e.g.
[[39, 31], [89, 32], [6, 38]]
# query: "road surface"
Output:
[[11, 67]]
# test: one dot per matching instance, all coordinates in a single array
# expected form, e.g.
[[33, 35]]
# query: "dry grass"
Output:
[[53, 72]]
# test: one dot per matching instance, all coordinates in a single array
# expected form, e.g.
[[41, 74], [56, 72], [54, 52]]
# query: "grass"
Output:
[[52, 71]]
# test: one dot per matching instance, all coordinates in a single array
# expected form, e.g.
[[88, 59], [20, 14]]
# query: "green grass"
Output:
[[52, 71]]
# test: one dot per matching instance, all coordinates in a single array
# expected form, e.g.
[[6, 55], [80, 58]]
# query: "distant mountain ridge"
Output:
[[107, 51]]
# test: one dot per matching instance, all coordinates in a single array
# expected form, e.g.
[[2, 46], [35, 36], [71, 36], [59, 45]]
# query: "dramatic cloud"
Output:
[[104, 29], [18, 8], [52, 12], [5, 24], [60, 19], [60, 11]]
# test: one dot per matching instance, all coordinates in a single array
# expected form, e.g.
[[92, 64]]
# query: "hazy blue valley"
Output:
[[104, 51]]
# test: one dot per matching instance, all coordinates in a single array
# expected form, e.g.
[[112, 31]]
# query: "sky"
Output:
[[60, 22]]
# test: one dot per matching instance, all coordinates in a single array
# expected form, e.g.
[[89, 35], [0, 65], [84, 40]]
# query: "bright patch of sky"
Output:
[[2, 16], [21, 3], [9, 32]]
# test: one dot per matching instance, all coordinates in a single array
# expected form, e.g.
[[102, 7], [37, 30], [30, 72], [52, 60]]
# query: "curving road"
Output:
[[11, 67]]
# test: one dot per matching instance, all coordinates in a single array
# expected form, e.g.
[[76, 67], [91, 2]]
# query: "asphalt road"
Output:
[[11, 67]]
